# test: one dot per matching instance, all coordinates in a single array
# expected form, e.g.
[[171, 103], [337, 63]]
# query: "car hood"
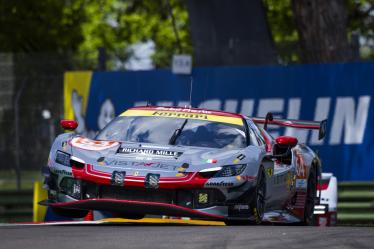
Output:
[[150, 157]]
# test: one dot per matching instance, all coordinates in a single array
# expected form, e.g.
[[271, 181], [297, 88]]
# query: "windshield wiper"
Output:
[[177, 132]]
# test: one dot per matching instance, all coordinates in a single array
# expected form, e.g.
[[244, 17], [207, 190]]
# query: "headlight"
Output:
[[224, 171], [230, 170], [62, 158]]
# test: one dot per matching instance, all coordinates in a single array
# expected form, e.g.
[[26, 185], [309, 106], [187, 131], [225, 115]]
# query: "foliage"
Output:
[[82, 26], [48, 25], [281, 21], [116, 24], [361, 20]]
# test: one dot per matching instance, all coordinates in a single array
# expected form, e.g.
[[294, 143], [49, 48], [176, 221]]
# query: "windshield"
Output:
[[159, 130]]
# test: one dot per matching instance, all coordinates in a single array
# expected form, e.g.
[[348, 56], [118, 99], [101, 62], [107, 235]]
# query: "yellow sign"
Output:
[[171, 114], [40, 194], [76, 91]]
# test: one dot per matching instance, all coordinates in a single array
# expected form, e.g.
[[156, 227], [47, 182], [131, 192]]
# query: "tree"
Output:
[[48, 25], [230, 34], [116, 24], [361, 22], [80, 27], [282, 22], [322, 29]]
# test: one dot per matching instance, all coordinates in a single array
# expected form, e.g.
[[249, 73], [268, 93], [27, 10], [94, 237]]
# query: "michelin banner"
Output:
[[342, 93]]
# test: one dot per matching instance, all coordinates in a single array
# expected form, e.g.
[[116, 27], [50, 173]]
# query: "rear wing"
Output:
[[298, 124]]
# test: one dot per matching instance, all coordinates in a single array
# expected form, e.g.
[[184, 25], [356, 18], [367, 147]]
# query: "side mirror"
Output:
[[68, 124], [286, 141]]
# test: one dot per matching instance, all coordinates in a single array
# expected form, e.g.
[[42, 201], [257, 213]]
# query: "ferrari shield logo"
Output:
[[151, 180], [118, 178]]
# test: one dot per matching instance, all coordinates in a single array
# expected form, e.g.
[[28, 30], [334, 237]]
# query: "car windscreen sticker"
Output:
[[165, 153], [184, 115], [88, 144]]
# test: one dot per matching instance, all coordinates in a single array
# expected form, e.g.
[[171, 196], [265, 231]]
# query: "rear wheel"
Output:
[[309, 218], [257, 203]]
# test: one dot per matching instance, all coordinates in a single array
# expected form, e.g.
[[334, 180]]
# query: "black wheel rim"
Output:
[[311, 194], [261, 193]]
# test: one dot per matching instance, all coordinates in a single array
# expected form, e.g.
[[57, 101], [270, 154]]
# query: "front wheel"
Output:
[[309, 218], [257, 203]]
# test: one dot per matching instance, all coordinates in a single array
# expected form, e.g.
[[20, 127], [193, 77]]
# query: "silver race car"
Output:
[[185, 162]]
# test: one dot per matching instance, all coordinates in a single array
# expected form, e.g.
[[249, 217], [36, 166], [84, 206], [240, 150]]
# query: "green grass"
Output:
[[8, 179]]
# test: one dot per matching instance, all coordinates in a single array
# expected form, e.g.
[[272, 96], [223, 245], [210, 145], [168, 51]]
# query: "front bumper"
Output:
[[136, 207]]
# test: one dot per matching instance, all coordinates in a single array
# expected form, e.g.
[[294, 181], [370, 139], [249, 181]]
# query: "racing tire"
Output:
[[70, 213], [256, 205], [309, 217]]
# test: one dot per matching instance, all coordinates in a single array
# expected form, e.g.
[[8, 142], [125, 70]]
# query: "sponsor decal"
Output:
[[112, 162], [101, 161], [241, 207], [180, 115], [203, 198], [156, 165], [64, 146], [301, 183], [300, 166], [118, 178], [290, 180], [136, 173], [199, 115], [76, 189], [143, 158], [245, 178], [281, 179], [61, 172], [182, 170], [153, 152], [88, 144], [210, 161], [183, 110], [220, 184], [180, 174], [239, 158], [152, 181]]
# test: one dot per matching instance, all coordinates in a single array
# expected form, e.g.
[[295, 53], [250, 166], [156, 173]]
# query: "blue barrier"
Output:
[[340, 92]]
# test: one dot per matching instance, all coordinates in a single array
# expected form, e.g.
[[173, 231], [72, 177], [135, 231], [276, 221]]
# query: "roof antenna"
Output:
[[191, 84]]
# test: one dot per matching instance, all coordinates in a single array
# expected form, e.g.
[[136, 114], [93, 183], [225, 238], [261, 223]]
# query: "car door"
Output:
[[257, 139], [280, 178]]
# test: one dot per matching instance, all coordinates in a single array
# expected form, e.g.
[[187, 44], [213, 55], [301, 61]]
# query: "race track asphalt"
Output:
[[179, 237]]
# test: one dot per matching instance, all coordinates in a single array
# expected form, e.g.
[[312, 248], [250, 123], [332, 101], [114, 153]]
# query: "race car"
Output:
[[326, 211], [186, 162]]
